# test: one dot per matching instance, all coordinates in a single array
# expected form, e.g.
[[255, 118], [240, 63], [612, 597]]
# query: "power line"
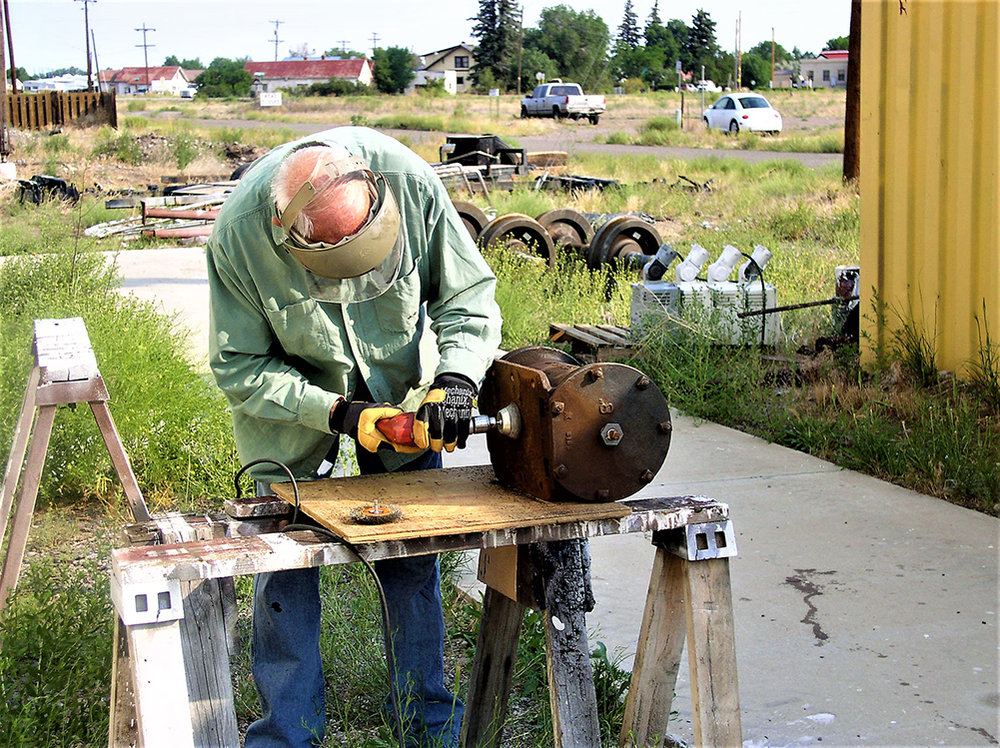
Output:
[[86, 25], [145, 49], [276, 41]]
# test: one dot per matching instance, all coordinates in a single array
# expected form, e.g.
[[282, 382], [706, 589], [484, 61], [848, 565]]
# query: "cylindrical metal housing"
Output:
[[596, 432]]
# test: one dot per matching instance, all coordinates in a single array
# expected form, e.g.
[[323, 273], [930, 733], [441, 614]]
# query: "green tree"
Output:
[[628, 32], [763, 51], [577, 42], [497, 28], [756, 71], [533, 61], [224, 77], [654, 15], [699, 47], [345, 53], [190, 64], [393, 69], [838, 42]]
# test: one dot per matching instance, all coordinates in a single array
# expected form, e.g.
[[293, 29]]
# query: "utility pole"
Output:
[[738, 57], [4, 140], [10, 47], [86, 26], [374, 43], [852, 116], [145, 50], [96, 63], [772, 57], [520, 47], [276, 40]]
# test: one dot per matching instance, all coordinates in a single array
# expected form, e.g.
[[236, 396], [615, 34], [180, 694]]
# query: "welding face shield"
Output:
[[361, 266]]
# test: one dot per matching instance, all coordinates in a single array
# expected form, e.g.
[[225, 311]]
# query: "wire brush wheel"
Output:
[[378, 514]]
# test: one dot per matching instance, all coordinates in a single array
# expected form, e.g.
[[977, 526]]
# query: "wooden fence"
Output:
[[48, 109]]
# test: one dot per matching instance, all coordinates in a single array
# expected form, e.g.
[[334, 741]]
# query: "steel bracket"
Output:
[[150, 602], [703, 541]]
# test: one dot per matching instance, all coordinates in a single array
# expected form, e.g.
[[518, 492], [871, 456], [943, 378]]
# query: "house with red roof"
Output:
[[826, 71], [274, 76], [162, 79]]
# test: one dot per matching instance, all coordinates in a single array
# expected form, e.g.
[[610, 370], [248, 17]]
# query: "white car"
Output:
[[742, 111]]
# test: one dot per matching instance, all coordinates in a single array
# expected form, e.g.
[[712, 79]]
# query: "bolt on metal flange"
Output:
[[612, 434]]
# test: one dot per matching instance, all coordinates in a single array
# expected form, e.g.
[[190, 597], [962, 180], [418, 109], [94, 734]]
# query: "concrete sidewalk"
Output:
[[866, 614]]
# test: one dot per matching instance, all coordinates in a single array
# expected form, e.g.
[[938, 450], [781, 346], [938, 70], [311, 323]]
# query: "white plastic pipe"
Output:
[[722, 268], [761, 255], [690, 267]]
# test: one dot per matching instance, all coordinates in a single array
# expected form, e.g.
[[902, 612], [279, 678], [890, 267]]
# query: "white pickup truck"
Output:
[[558, 99]]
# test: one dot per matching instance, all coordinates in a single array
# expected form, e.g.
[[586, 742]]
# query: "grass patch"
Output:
[[55, 664], [172, 421]]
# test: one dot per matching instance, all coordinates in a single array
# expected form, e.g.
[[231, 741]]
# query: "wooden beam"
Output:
[[26, 502], [227, 557], [492, 671], [712, 654], [658, 655], [563, 571]]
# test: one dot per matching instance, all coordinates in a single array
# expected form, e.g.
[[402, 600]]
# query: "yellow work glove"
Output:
[[443, 417], [358, 420]]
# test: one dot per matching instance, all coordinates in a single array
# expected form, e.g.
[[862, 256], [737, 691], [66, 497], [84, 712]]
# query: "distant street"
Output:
[[572, 137]]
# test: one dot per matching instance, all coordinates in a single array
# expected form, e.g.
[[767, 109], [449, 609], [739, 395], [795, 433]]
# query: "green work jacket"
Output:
[[283, 359]]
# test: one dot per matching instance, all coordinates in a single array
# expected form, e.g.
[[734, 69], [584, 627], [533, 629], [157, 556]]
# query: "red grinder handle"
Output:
[[398, 429]]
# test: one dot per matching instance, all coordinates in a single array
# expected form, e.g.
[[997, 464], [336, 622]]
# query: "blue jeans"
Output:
[[288, 670]]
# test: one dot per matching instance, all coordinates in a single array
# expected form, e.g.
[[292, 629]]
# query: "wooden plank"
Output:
[[434, 503], [234, 556], [712, 654], [575, 333], [123, 728], [602, 332], [209, 608], [161, 694], [26, 502], [492, 671], [116, 450], [18, 448], [63, 351], [657, 657], [563, 569]]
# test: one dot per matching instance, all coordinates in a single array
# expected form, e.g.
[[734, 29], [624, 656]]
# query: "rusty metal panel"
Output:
[[930, 187]]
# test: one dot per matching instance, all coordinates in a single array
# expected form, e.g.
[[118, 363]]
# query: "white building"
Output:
[[274, 76], [829, 70], [56, 83]]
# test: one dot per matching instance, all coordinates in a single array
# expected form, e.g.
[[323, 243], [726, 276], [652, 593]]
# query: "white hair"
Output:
[[298, 167]]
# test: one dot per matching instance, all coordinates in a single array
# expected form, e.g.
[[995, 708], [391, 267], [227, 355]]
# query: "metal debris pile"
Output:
[[187, 213], [625, 239]]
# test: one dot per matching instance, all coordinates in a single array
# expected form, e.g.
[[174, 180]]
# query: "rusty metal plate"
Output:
[[610, 432]]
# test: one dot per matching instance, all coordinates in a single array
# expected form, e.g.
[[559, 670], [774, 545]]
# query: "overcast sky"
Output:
[[49, 34]]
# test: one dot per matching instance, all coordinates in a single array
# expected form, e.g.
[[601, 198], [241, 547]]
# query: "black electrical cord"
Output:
[[763, 300], [294, 526]]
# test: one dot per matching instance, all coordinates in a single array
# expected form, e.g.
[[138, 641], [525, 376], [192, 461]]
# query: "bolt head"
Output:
[[664, 427], [612, 434], [642, 382], [558, 407], [562, 471], [647, 475]]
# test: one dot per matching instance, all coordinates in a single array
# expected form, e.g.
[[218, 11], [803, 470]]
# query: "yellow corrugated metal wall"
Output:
[[930, 172]]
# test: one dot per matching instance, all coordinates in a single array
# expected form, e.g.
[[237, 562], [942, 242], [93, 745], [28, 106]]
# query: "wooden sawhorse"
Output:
[[65, 372], [172, 667]]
